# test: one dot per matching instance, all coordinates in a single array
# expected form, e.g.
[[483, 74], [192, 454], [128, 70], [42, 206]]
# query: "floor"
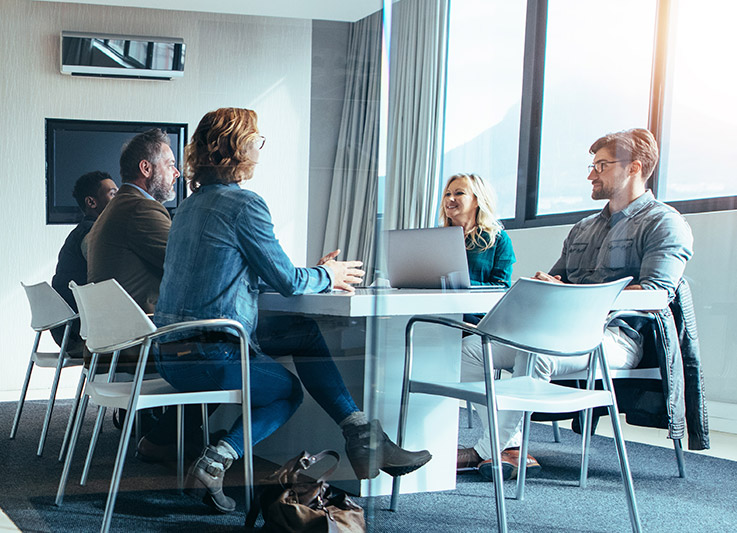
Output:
[[723, 445]]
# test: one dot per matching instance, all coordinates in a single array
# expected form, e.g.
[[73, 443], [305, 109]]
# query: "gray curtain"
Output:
[[352, 210], [416, 107]]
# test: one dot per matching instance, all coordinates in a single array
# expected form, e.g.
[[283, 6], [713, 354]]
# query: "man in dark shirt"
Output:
[[92, 191]]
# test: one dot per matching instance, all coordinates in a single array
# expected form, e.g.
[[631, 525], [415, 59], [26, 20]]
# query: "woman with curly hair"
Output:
[[221, 247]]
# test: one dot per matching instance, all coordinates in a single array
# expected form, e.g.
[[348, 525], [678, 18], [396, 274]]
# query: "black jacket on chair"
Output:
[[677, 403]]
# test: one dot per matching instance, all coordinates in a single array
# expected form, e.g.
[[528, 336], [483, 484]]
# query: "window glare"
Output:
[[701, 133], [597, 80], [484, 89]]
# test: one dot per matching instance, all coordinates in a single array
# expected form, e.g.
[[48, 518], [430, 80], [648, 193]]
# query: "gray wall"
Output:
[[255, 62]]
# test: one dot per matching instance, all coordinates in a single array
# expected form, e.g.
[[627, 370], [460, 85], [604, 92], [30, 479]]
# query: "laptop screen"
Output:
[[432, 258]]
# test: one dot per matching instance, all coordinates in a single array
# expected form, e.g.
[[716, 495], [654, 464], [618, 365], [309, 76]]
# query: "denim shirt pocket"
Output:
[[620, 252]]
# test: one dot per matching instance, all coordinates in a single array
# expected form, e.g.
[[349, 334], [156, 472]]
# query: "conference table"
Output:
[[365, 334]]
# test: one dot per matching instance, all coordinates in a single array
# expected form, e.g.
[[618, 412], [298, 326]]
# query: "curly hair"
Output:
[[637, 144], [217, 152], [486, 219]]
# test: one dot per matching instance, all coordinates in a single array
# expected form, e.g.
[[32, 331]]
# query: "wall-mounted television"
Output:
[[75, 147]]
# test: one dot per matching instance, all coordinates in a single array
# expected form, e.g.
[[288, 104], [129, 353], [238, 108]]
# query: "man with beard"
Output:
[[128, 240], [634, 235], [128, 243]]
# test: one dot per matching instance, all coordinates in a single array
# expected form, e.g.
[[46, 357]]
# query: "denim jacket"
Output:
[[647, 240], [221, 245]]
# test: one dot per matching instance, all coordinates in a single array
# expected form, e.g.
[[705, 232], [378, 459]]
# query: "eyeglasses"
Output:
[[260, 141], [600, 166]]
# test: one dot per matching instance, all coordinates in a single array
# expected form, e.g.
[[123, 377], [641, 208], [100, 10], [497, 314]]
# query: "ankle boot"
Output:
[[369, 449], [208, 472]]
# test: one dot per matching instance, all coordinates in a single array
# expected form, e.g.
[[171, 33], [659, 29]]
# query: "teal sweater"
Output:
[[494, 265]]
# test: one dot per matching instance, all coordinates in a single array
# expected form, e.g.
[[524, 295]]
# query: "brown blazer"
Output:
[[128, 243]]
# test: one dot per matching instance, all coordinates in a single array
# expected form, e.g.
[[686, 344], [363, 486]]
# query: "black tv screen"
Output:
[[75, 147]]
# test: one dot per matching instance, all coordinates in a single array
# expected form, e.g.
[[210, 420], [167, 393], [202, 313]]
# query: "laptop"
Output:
[[433, 258]]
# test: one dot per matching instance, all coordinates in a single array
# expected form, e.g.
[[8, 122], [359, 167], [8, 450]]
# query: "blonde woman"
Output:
[[469, 202]]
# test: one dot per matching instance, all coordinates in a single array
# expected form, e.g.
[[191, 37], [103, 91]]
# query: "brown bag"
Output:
[[291, 505]]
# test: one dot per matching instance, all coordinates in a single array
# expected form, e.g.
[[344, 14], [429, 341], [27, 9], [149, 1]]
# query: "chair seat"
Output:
[[619, 373], [155, 393], [520, 394], [49, 360]]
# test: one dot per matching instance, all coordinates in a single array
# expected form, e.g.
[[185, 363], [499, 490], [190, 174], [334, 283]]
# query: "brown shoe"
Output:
[[149, 452], [510, 465], [467, 459]]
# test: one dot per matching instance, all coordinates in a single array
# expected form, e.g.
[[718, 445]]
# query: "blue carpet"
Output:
[[704, 501]]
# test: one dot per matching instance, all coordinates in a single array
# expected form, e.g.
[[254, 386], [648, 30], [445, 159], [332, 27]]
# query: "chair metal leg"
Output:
[[403, 407], [75, 433], [125, 434], [625, 468], [497, 477], [586, 418], [75, 405], [619, 441], [70, 452], [522, 469], [24, 390], [679, 458], [180, 449], [556, 431], [469, 410], [205, 425], [117, 473], [52, 394], [93, 443]]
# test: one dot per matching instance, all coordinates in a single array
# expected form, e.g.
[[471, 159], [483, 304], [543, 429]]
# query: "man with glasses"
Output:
[[634, 235]]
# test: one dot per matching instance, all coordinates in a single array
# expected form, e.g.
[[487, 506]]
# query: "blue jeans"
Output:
[[276, 393]]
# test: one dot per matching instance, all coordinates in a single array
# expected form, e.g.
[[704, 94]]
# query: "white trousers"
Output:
[[619, 349]]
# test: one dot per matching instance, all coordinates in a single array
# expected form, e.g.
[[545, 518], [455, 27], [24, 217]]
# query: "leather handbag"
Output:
[[290, 504]]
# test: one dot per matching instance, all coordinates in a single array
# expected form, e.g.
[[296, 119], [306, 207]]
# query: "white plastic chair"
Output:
[[115, 322], [48, 311], [539, 318]]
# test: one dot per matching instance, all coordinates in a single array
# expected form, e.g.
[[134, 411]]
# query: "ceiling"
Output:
[[343, 10]]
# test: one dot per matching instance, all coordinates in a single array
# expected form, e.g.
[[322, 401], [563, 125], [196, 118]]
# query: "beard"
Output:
[[160, 189]]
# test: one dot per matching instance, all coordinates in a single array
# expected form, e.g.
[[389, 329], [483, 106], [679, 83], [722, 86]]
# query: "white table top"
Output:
[[403, 302]]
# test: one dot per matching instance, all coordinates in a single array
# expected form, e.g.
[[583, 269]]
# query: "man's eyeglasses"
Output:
[[600, 166], [260, 141]]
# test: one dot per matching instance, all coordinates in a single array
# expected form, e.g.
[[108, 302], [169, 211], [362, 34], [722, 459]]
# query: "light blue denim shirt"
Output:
[[221, 244], [647, 240]]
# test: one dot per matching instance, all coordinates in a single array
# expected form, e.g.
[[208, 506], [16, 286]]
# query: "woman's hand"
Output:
[[332, 255], [345, 273]]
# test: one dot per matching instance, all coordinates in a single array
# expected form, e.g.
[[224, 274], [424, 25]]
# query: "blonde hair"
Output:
[[217, 152], [486, 219]]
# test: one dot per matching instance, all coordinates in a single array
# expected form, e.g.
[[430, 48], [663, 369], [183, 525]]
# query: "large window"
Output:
[[584, 68], [598, 62], [700, 130], [483, 94]]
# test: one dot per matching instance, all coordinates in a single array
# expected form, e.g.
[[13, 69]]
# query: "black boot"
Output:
[[370, 449], [208, 472]]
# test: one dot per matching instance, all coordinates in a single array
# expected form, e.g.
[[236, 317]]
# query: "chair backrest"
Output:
[[111, 316], [47, 307], [82, 315], [553, 318]]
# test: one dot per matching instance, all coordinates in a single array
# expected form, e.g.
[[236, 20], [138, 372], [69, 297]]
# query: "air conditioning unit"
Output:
[[121, 56]]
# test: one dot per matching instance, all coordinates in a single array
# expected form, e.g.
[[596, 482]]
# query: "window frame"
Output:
[[528, 168]]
